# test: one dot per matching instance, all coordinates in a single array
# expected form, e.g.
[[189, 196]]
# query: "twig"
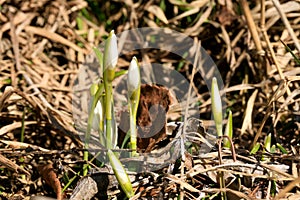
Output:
[[253, 30], [15, 45], [281, 89], [289, 187], [55, 37], [266, 38], [198, 45], [47, 106], [252, 27], [11, 165], [18, 66]]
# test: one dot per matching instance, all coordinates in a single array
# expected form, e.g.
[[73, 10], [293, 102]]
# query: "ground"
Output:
[[254, 45]]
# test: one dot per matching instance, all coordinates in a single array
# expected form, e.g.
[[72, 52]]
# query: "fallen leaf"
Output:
[[49, 175], [158, 12]]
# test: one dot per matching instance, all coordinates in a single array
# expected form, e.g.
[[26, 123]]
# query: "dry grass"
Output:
[[44, 43]]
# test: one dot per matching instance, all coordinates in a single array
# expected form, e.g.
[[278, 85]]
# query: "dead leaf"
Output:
[[48, 174], [158, 12], [247, 123]]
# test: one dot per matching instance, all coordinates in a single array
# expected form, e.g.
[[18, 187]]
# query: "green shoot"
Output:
[[228, 131], [216, 106], [267, 146], [282, 149], [255, 149], [218, 118], [103, 107], [134, 90], [110, 59]]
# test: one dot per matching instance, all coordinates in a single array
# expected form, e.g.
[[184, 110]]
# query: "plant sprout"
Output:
[[228, 131], [101, 115], [218, 118], [216, 106], [109, 63], [267, 146], [134, 90]]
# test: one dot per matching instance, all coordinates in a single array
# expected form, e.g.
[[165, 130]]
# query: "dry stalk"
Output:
[[197, 58], [287, 24], [252, 27], [288, 188], [266, 38]]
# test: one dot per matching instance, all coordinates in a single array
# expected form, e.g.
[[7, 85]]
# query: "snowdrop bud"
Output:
[[121, 174], [98, 115], [216, 106], [134, 78], [110, 52]]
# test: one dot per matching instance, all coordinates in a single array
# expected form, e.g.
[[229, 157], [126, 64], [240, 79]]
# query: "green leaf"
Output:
[[273, 149], [267, 146], [121, 174], [99, 56], [255, 149], [79, 22], [268, 143], [228, 131], [282, 149], [291, 52], [120, 73]]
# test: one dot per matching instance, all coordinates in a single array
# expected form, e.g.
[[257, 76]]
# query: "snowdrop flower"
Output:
[[134, 78], [134, 90], [111, 54]]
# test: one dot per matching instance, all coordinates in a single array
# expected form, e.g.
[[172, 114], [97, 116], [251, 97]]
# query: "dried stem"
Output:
[[287, 24]]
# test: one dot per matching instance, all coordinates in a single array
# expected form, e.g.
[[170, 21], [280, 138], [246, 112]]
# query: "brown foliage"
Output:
[[48, 174]]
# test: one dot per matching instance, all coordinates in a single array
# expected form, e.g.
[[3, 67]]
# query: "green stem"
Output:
[[134, 101], [108, 77], [222, 185], [228, 131], [77, 174], [133, 132], [87, 139], [108, 134], [87, 136]]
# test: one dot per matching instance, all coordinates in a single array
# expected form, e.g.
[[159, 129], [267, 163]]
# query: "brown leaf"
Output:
[[226, 16], [49, 175], [151, 117], [247, 123], [158, 12], [153, 106], [188, 162]]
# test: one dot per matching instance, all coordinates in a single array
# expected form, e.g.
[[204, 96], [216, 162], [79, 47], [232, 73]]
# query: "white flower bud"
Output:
[[216, 106], [134, 78], [110, 52]]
